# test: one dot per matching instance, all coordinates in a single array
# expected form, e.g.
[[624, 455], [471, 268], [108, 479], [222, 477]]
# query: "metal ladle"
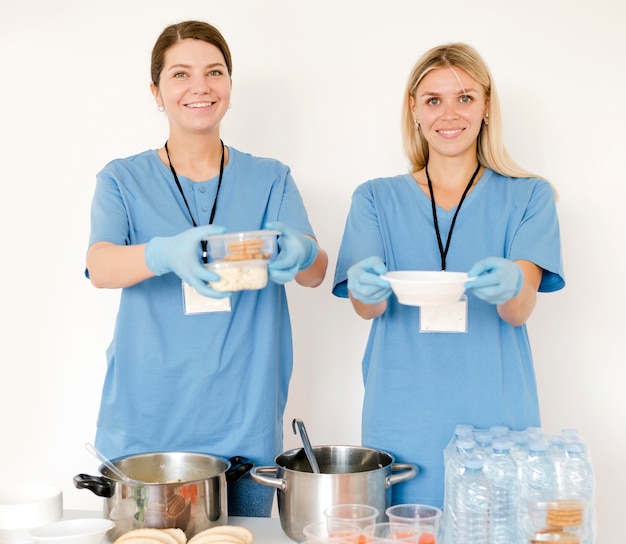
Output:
[[308, 450], [105, 461]]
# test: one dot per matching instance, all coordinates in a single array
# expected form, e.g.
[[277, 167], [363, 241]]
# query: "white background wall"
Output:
[[317, 85]]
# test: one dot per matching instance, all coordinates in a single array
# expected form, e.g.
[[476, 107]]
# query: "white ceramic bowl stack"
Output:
[[73, 531], [24, 507]]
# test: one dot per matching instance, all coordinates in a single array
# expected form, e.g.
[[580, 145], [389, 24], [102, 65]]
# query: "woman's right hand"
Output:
[[182, 255], [365, 283]]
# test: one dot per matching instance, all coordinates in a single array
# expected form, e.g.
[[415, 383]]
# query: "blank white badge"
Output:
[[445, 317], [195, 303]]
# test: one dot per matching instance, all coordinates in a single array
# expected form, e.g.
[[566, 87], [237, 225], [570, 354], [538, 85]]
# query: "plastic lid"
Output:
[[501, 445], [537, 446], [473, 463], [243, 235], [464, 429], [518, 437], [499, 430], [483, 438], [576, 447], [465, 444]]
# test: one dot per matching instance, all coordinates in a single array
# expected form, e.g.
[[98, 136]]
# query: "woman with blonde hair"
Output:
[[464, 206]]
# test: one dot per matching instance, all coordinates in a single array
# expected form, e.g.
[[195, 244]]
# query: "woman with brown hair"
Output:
[[191, 368]]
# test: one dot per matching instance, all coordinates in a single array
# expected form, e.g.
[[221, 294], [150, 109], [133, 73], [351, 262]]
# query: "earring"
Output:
[[161, 108], [416, 125], [486, 118]]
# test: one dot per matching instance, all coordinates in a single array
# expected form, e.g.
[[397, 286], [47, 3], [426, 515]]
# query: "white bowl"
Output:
[[26, 506], [426, 288], [73, 531]]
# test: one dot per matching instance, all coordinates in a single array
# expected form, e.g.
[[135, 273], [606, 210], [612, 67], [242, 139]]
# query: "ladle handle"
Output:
[[95, 451], [308, 450]]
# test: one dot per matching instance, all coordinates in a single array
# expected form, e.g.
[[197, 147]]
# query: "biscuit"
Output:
[[564, 514], [241, 535], [178, 534], [147, 536]]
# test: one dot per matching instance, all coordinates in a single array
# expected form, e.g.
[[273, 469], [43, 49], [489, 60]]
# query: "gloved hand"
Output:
[[296, 252], [498, 280], [365, 283], [182, 254]]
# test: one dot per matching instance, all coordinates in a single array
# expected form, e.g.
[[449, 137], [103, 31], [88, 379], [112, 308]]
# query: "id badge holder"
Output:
[[195, 303], [444, 318]]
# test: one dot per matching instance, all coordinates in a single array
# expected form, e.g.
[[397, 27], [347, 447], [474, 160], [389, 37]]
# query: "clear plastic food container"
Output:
[[560, 520], [241, 259]]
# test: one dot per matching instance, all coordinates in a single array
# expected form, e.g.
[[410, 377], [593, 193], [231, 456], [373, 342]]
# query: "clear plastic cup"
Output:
[[361, 515], [423, 516], [332, 531], [387, 532]]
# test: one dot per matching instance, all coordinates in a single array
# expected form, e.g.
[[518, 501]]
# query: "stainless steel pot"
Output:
[[169, 489], [348, 474]]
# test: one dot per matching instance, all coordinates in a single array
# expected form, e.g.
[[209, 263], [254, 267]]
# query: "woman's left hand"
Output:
[[497, 280], [296, 252]]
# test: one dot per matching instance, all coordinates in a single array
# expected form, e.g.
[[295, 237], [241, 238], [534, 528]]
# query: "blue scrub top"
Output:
[[214, 383], [419, 386]]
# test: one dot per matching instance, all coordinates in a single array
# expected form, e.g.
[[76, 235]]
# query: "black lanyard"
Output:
[[444, 252], [219, 184]]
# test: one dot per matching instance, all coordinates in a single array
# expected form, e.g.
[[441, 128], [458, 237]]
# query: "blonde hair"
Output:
[[490, 148]]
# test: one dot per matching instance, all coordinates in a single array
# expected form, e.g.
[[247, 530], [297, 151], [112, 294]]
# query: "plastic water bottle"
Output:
[[463, 431], [519, 447], [455, 467], [538, 483], [556, 452], [501, 471], [578, 483], [535, 434], [484, 440], [473, 504]]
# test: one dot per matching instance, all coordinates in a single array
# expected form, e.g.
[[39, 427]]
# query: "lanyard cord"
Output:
[[444, 251], [180, 189]]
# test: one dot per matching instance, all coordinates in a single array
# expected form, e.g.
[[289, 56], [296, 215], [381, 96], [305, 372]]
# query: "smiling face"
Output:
[[450, 107], [194, 86]]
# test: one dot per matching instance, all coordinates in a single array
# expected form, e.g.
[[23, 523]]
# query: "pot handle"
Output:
[[239, 467], [257, 476], [410, 471], [94, 483]]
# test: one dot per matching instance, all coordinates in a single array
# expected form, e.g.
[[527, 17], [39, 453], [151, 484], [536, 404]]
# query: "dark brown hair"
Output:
[[195, 30]]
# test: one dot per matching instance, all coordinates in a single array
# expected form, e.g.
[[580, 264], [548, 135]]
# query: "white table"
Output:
[[265, 530]]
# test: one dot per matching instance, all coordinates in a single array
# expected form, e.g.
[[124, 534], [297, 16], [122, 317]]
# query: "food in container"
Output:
[[241, 259], [239, 276], [182, 490]]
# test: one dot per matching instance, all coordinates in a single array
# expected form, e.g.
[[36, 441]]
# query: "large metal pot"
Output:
[[168, 489], [348, 474]]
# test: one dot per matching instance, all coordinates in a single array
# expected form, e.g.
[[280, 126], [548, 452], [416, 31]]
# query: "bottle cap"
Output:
[[537, 446], [575, 447], [501, 445], [473, 463]]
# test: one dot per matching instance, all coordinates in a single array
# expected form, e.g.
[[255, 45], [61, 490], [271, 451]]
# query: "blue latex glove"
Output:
[[365, 283], [295, 252], [498, 280], [182, 254]]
